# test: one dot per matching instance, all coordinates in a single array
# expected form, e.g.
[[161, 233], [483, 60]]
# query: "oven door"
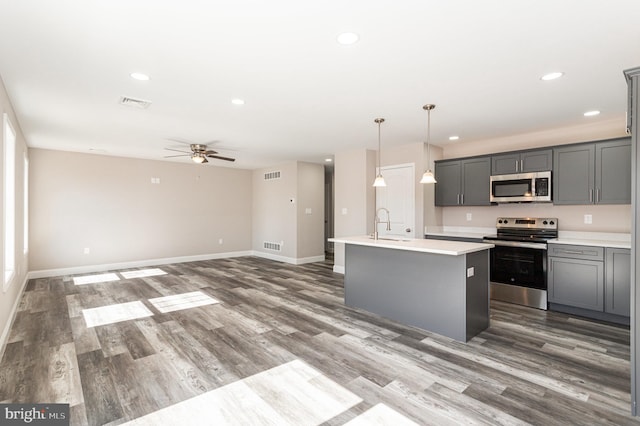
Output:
[[521, 265]]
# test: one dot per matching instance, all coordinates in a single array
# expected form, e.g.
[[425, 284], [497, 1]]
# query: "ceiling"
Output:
[[66, 64]]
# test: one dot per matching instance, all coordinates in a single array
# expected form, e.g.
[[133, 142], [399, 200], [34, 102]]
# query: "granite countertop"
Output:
[[451, 248]]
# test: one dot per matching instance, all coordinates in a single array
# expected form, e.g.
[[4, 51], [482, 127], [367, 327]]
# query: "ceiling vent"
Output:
[[134, 103], [272, 175]]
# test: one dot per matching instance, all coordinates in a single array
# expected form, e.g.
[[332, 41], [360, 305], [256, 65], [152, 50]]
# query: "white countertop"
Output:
[[598, 239], [451, 248], [460, 231]]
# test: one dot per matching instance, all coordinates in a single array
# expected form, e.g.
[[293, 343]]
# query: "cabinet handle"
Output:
[[570, 252], [516, 166], [458, 199], [461, 198], [591, 195], [597, 195], [521, 165]]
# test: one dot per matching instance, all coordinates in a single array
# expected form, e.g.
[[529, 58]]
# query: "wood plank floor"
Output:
[[529, 367]]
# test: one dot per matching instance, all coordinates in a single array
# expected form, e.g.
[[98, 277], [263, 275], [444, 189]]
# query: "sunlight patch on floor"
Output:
[[115, 313], [142, 273], [182, 301], [96, 278], [290, 394]]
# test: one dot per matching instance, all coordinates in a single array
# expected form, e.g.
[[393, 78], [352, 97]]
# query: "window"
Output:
[[25, 205], [9, 213]]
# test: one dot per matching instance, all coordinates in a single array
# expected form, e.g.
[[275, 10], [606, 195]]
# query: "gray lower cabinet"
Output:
[[539, 160], [617, 298], [463, 182], [591, 279], [593, 173]]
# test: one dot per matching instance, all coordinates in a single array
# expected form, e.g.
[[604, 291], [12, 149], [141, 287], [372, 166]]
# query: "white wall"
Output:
[[109, 205], [277, 219], [9, 298]]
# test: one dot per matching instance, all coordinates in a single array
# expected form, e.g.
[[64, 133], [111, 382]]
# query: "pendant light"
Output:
[[428, 177], [379, 179]]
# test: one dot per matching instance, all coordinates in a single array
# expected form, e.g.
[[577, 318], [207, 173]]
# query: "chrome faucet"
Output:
[[377, 221]]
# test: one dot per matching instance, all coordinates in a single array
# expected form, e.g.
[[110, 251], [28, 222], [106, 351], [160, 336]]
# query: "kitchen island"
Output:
[[439, 286]]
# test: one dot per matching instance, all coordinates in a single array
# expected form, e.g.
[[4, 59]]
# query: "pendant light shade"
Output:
[[428, 177], [379, 179]]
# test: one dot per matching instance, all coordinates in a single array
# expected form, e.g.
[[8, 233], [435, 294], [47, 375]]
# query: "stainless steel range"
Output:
[[518, 262]]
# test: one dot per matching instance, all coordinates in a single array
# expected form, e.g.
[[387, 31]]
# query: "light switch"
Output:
[[471, 272], [307, 210], [344, 210], [588, 219], [469, 216]]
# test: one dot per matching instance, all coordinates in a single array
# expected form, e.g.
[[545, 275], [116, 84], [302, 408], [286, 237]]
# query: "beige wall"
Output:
[[10, 296], [310, 210], [354, 197], [614, 218], [278, 219], [109, 205]]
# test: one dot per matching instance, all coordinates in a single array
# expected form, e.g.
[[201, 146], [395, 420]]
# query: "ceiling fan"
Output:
[[199, 154]]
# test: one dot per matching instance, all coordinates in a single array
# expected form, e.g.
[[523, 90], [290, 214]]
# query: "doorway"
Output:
[[398, 197]]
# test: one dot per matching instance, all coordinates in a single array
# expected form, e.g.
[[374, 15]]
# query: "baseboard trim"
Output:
[[45, 273], [338, 269], [290, 260], [12, 316]]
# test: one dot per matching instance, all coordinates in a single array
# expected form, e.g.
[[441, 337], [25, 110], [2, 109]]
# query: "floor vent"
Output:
[[272, 175], [272, 246], [134, 103]]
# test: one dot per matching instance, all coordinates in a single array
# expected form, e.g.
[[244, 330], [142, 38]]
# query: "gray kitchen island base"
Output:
[[425, 290]]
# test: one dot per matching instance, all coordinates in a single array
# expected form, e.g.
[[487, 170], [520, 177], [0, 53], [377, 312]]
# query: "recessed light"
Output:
[[237, 101], [348, 38], [139, 76], [328, 160], [591, 113], [552, 76], [454, 138]]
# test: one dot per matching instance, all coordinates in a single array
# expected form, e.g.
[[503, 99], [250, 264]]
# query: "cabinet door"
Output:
[[536, 161], [573, 174], [613, 172], [617, 296], [475, 181], [447, 174], [505, 164], [575, 282]]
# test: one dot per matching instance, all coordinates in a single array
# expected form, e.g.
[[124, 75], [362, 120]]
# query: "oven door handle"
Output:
[[538, 246]]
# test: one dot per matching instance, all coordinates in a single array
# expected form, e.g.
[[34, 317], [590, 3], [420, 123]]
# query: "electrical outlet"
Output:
[[220, 241], [307, 210], [588, 219], [471, 272], [344, 210], [469, 216], [87, 250]]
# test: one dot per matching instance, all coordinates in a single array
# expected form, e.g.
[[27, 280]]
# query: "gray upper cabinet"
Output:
[[463, 182], [613, 172], [593, 173], [522, 162]]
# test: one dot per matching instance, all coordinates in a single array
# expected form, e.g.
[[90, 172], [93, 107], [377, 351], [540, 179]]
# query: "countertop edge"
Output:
[[448, 248]]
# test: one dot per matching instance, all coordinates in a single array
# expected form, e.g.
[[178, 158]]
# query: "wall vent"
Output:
[[272, 246], [272, 175], [134, 103]]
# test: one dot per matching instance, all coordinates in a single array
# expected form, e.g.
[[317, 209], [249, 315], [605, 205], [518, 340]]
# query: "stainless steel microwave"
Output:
[[521, 187]]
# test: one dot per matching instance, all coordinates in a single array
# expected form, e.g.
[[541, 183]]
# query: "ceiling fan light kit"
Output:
[[199, 154]]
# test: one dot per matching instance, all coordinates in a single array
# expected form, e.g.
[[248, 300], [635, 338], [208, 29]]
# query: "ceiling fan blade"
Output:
[[219, 157], [210, 152], [176, 150], [181, 155]]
